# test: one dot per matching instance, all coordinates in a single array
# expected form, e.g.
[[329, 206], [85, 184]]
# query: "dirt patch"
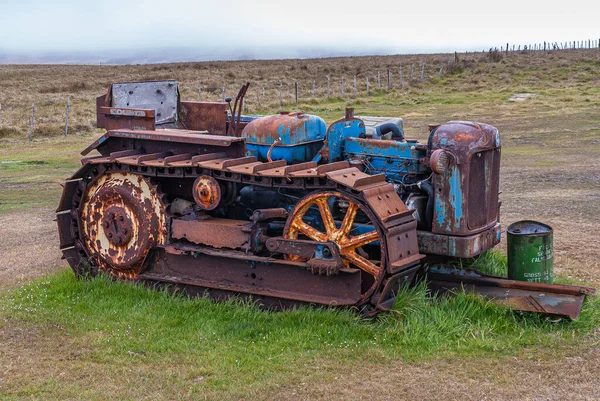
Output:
[[541, 377], [28, 245]]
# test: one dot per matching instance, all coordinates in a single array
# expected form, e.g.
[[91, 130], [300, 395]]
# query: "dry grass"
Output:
[[49, 86]]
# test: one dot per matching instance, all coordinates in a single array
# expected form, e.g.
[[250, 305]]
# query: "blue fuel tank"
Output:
[[294, 137]]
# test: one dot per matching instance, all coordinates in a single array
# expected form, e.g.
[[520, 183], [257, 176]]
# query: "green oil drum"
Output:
[[530, 252]]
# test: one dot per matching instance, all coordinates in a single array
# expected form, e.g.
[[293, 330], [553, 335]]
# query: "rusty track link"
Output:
[[398, 227]]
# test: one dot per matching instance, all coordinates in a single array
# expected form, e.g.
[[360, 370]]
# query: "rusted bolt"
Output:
[[121, 218], [109, 235]]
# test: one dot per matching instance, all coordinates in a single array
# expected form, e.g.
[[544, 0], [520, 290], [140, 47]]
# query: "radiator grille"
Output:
[[484, 172]]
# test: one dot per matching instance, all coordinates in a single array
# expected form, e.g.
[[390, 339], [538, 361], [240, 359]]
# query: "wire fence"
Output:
[[291, 92]]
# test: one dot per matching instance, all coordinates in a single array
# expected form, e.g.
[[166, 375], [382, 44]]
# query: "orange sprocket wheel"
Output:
[[313, 219]]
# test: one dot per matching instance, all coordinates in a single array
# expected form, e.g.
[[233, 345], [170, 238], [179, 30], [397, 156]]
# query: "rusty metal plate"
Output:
[[552, 299], [218, 233], [100, 117], [172, 137], [161, 96], [237, 271], [204, 116], [284, 171], [460, 247], [385, 202]]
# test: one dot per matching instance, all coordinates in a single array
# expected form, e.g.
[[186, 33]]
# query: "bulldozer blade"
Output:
[[551, 299]]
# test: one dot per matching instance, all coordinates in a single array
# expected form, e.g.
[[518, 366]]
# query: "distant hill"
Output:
[[180, 54]]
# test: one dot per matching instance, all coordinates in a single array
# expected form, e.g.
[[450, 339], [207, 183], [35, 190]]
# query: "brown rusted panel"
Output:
[[268, 166], [237, 271], [223, 164], [459, 247], [326, 168], [392, 286], [204, 116], [247, 168], [100, 117], [354, 178], [128, 118], [164, 161], [64, 229], [402, 247], [152, 157], [208, 156], [155, 141], [385, 202], [302, 248], [310, 172], [66, 199], [285, 171], [218, 233], [269, 214], [552, 299]]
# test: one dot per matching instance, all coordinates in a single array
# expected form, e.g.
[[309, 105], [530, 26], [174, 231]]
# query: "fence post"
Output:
[[328, 86], [412, 70], [441, 67], [222, 93], [401, 79], [389, 79], [67, 116], [313, 91], [280, 100], [422, 70], [0, 115], [31, 121], [342, 86], [296, 84], [355, 85], [263, 91], [258, 99], [378, 80], [199, 94], [367, 80]]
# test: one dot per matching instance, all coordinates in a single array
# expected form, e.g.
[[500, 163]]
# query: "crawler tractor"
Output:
[[284, 208]]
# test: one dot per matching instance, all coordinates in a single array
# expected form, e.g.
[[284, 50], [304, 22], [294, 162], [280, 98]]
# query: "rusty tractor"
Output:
[[284, 208]]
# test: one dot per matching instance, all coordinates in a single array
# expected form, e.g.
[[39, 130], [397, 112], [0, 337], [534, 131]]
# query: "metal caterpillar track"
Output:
[[164, 261]]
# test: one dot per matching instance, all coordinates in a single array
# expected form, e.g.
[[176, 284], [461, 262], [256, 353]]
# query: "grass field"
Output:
[[67, 339]]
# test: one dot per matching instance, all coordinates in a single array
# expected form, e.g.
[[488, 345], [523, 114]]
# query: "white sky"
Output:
[[396, 26]]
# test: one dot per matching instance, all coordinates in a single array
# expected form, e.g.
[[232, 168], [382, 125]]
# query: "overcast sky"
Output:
[[274, 28]]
